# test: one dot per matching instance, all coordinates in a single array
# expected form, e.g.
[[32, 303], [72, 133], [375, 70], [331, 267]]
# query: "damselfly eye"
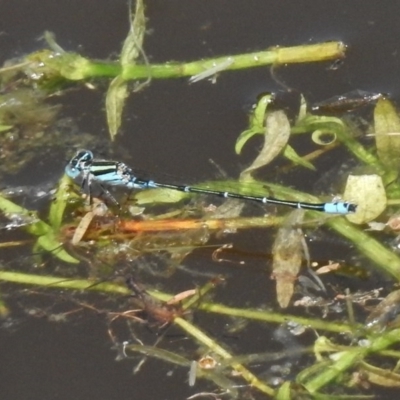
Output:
[[81, 157], [84, 156]]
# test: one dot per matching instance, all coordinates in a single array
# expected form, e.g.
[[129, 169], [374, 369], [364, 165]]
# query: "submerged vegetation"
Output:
[[354, 346]]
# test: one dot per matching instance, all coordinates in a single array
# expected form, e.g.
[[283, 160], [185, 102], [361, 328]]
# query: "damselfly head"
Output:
[[82, 159], [351, 207], [80, 162]]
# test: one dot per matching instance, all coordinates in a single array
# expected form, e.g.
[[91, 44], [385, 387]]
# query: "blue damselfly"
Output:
[[113, 173]]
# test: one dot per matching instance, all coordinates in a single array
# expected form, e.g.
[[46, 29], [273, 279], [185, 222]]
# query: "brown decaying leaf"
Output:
[[287, 253]]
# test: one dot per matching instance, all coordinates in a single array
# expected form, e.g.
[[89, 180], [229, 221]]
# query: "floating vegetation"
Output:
[[125, 249]]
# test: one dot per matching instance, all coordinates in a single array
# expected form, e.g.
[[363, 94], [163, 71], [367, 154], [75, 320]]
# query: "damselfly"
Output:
[[113, 173]]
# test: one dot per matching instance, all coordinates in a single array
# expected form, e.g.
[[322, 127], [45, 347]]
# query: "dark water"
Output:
[[175, 128]]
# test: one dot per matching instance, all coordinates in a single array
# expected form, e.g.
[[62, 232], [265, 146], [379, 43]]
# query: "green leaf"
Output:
[[37, 228], [245, 136], [5, 128], [368, 192], [284, 392], [46, 236], [134, 41], [257, 120], [321, 137], [317, 122], [275, 139], [50, 243], [115, 101], [118, 89], [59, 204], [153, 196], [291, 155], [257, 123], [302, 110], [387, 123], [4, 310]]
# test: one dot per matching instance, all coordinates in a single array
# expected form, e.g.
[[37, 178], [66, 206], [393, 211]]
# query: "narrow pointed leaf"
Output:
[[4, 128], [46, 237], [134, 41], [115, 101], [290, 154], [302, 110], [50, 243], [257, 121], [245, 136], [154, 196], [276, 138], [59, 204], [118, 89]]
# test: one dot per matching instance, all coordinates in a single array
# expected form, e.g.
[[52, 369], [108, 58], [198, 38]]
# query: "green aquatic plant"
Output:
[[161, 226]]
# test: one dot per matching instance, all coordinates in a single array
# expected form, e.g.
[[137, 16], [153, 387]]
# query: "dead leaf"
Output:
[[287, 253]]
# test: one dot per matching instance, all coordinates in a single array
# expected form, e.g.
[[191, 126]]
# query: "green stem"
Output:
[[104, 287], [217, 349], [347, 359], [75, 67], [267, 316], [62, 283]]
